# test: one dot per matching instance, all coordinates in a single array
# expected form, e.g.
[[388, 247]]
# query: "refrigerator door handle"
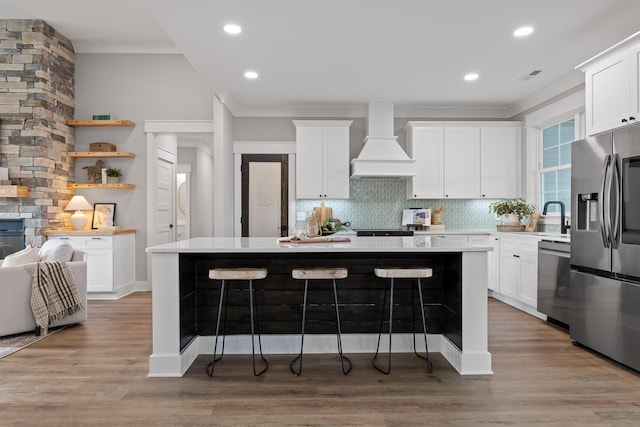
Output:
[[616, 186], [604, 219]]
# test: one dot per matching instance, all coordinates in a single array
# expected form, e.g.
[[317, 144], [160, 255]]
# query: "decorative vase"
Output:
[[113, 179], [512, 219]]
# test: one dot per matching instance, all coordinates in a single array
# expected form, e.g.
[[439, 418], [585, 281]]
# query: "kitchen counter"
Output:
[[184, 299]]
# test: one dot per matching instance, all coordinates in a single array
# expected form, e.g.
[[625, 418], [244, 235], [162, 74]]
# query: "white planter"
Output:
[[512, 219]]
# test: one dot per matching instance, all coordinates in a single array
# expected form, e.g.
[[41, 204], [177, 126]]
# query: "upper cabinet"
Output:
[[426, 146], [464, 160], [499, 161], [612, 87], [322, 159]]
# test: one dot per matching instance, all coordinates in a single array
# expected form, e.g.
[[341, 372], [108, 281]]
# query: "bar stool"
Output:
[[320, 274], [402, 273], [248, 274]]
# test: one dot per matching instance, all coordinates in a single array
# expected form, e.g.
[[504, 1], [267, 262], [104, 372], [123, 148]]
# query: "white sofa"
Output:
[[15, 295]]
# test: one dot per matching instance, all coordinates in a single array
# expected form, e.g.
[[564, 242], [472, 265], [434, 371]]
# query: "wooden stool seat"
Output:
[[319, 273], [332, 274], [403, 273], [237, 273]]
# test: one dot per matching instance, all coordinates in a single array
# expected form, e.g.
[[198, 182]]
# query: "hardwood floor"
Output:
[[95, 374]]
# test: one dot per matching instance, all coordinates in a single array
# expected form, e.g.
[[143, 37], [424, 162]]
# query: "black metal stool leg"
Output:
[[342, 357], [215, 346], [304, 316], [373, 362], [384, 303], [253, 352], [424, 332]]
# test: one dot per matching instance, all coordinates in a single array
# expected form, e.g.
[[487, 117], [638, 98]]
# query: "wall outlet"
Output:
[[301, 216]]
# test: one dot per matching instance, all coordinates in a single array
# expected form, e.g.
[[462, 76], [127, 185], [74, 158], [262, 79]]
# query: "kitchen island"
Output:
[[185, 300]]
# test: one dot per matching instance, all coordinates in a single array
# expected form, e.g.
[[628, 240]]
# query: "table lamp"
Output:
[[78, 219]]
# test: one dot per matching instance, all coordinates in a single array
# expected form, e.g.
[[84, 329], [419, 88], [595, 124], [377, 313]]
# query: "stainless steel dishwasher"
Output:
[[553, 280]]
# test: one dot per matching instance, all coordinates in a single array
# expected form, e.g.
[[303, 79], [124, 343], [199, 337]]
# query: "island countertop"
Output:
[[419, 243]]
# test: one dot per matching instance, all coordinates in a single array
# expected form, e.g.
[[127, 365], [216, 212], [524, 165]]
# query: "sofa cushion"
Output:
[[25, 256], [56, 250]]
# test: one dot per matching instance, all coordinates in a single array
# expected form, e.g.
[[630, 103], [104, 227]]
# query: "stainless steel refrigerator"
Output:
[[605, 244]]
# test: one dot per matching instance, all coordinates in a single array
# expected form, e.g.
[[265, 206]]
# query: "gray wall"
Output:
[[138, 88]]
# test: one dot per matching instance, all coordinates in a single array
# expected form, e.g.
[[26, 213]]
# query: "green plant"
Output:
[[512, 206], [113, 172]]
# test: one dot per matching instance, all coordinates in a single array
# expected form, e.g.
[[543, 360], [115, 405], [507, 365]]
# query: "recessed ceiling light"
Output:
[[232, 29], [523, 31], [471, 76], [251, 75]]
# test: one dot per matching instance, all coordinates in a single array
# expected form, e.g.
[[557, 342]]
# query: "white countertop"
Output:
[[421, 243]]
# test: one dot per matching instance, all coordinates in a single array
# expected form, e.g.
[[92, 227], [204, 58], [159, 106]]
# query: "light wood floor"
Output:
[[95, 374]]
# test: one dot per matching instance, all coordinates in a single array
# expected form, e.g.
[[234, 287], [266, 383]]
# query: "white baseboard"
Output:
[[517, 304], [129, 288]]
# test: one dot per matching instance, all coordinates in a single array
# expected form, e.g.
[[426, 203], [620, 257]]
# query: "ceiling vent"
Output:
[[531, 75]]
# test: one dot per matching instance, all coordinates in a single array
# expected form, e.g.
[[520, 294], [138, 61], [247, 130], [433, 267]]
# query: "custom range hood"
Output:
[[381, 156]]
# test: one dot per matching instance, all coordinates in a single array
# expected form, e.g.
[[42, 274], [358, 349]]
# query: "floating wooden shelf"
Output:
[[120, 186], [100, 123], [14, 191], [96, 154]]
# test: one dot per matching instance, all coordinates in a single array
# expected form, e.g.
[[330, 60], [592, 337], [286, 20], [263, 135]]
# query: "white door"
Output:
[[265, 183], [163, 211]]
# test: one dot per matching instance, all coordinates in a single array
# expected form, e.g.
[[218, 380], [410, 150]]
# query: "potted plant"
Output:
[[513, 209], [113, 175]]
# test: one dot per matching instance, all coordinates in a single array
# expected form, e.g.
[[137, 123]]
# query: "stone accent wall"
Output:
[[37, 92]]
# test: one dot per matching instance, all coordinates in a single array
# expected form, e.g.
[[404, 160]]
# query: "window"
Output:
[[555, 166]]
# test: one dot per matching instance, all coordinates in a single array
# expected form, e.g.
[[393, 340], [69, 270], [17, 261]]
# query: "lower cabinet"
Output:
[[493, 258], [110, 259], [519, 269]]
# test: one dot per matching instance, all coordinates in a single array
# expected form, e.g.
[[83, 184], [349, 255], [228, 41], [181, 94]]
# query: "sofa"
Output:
[[15, 296]]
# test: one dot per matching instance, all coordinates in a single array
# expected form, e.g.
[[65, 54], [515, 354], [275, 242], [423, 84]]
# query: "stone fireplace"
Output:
[[37, 91]]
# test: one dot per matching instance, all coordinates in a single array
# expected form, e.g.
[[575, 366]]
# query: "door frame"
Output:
[[283, 159], [263, 147], [152, 129]]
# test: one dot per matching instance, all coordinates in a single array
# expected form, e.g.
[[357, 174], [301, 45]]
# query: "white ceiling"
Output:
[[343, 53]]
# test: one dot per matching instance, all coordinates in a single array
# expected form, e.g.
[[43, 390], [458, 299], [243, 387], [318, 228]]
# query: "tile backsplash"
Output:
[[378, 204]]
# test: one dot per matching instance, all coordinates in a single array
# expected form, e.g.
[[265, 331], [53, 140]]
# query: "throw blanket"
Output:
[[54, 294]]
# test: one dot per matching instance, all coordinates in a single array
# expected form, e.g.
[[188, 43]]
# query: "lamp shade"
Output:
[[78, 203]]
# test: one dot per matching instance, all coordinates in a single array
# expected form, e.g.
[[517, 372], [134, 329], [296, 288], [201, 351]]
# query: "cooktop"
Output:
[[384, 233]]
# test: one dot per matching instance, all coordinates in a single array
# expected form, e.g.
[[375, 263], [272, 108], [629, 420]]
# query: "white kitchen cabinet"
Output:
[[110, 259], [464, 160], [612, 87], [493, 257], [322, 159], [426, 146], [499, 162], [519, 269]]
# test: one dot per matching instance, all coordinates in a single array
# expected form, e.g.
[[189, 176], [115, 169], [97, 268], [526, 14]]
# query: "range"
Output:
[[373, 233]]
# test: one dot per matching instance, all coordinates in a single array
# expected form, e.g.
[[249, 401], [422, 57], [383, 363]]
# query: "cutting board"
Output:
[[322, 212]]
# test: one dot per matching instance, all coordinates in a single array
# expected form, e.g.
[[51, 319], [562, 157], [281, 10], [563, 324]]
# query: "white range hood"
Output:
[[381, 156]]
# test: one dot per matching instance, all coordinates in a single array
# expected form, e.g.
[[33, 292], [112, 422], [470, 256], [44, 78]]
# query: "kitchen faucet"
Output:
[[563, 226]]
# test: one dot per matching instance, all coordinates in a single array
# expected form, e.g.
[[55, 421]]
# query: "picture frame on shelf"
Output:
[[533, 222], [103, 215]]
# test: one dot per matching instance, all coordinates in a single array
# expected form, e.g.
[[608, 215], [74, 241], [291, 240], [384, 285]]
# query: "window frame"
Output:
[[562, 108], [540, 143]]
